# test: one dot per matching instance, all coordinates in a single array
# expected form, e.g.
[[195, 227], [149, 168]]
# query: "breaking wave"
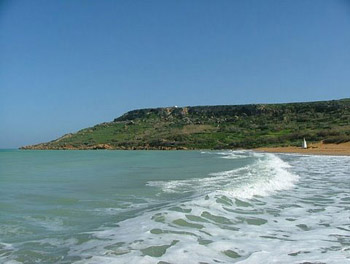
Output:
[[265, 175]]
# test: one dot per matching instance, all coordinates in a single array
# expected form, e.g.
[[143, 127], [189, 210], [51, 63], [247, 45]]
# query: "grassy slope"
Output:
[[216, 127]]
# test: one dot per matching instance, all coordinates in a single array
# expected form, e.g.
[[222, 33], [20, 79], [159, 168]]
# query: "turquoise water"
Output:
[[173, 207]]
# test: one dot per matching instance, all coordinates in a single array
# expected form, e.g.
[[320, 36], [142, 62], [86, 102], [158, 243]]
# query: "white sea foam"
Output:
[[240, 222], [5, 249], [234, 154], [262, 212], [266, 175], [12, 262]]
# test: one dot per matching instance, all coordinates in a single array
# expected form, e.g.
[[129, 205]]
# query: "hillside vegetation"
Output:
[[215, 127]]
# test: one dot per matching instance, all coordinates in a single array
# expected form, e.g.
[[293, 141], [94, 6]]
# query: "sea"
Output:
[[173, 207]]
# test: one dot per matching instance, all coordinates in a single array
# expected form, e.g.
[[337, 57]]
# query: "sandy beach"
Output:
[[313, 149]]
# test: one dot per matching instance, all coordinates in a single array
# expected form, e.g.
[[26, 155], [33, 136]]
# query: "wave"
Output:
[[235, 154], [230, 154], [240, 215], [265, 175], [238, 220]]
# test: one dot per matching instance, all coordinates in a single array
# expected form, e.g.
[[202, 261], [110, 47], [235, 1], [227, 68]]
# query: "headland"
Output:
[[217, 127]]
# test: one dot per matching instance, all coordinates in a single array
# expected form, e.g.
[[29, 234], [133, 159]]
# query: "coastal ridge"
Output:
[[215, 127]]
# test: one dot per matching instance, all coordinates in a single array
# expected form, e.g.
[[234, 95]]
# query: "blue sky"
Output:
[[66, 65]]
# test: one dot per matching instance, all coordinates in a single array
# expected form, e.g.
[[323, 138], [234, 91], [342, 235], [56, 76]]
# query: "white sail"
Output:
[[304, 145]]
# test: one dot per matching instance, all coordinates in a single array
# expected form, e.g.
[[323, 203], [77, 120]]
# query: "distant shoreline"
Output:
[[342, 149]]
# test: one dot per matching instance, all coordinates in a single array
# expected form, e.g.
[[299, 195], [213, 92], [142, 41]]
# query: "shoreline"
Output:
[[341, 149]]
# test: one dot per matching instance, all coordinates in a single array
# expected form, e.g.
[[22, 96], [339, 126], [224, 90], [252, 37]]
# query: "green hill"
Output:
[[215, 127]]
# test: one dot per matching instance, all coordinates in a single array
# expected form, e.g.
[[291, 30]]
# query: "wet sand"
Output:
[[313, 149]]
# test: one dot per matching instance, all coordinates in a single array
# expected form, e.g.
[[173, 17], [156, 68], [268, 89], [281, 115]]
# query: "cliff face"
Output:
[[215, 127]]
